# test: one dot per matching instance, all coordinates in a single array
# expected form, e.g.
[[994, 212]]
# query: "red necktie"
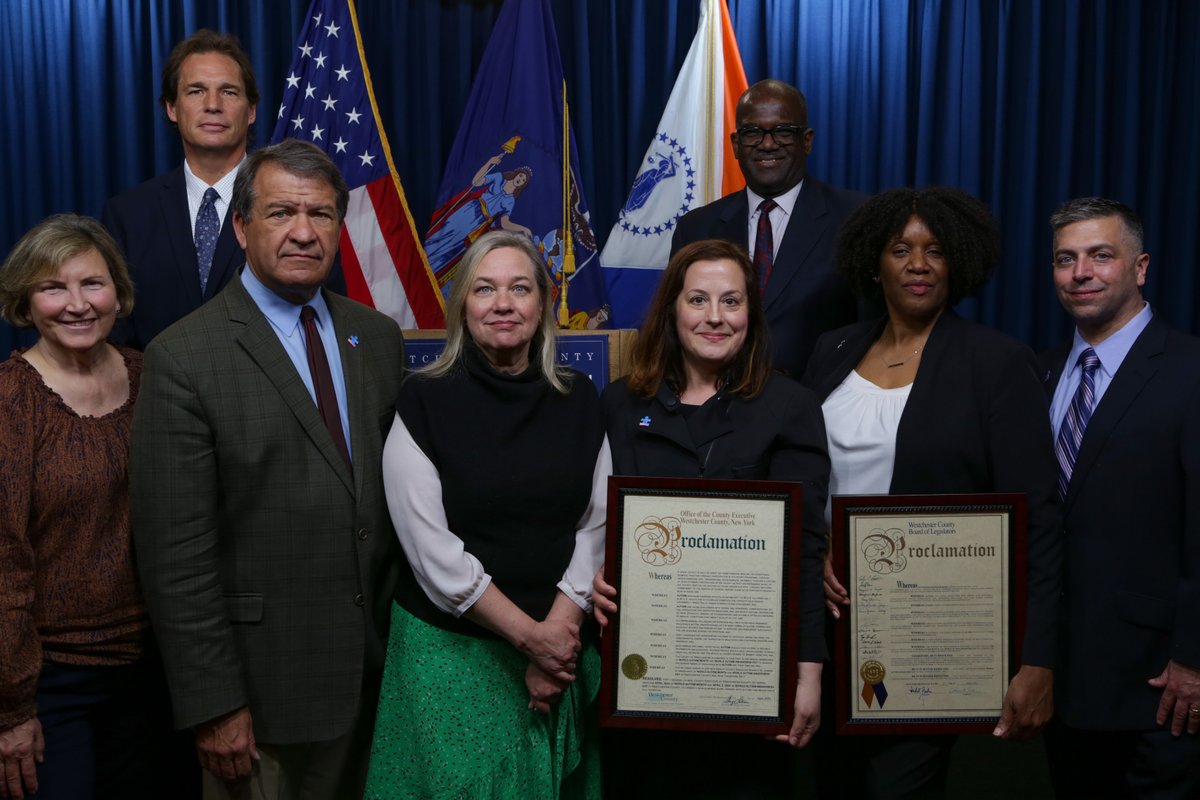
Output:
[[764, 245], [318, 367]]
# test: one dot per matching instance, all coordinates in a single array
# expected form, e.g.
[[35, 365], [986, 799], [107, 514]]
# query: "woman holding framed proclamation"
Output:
[[702, 402], [925, 402]]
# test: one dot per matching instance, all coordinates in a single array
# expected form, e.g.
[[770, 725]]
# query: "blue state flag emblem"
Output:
[[662, 192]]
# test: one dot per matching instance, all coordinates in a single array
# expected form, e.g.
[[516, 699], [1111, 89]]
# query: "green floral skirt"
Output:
[[453, 723]]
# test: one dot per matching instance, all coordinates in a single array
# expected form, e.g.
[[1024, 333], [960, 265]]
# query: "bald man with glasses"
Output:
[[787, 220]]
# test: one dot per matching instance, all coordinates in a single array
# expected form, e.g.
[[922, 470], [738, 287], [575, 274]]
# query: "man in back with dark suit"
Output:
[[174, 229], [1126, 415], [792, 238], [264, 544]]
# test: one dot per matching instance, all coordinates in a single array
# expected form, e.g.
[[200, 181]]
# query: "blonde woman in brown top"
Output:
[[72, 622]]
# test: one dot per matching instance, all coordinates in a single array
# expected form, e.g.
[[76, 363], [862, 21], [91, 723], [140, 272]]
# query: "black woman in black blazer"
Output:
[[973, 422]]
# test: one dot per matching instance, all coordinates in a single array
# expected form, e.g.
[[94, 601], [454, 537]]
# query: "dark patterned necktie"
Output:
[[764, 245], [1070, 435], [322, 378], [208, 227]]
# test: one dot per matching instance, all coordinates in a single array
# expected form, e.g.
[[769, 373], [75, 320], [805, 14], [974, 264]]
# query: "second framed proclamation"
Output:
[[937, 600]]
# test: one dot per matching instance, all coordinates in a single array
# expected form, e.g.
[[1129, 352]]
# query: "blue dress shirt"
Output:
[[284, 317], [1111, 352]]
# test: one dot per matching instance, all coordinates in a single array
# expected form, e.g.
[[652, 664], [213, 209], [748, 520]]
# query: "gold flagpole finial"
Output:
[[568, 262]]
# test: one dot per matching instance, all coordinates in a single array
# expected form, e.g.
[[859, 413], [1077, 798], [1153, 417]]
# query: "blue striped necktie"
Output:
[[1075, 422], [208, 228]]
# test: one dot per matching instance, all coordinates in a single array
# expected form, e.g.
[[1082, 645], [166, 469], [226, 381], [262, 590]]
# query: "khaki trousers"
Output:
[[333, 770]]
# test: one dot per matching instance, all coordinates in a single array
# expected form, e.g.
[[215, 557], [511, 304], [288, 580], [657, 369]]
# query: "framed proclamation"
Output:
[[707, 575], [937, 606]]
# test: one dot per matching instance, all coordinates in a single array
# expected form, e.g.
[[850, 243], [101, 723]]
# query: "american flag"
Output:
[[328, 100]]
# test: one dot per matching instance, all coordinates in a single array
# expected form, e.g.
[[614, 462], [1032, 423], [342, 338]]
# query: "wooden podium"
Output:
[[603, 356]]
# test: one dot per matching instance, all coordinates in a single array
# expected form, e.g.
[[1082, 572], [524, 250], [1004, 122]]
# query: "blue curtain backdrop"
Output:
[[1022, 102]]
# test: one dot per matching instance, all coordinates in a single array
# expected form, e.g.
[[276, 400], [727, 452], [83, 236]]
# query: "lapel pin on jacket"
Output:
[[353, 340], [644, 422]]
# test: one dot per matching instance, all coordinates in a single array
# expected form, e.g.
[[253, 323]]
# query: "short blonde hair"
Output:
[[44, 249]]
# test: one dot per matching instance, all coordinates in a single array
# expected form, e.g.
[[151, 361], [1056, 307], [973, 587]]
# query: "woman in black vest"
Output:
[[495, 473]]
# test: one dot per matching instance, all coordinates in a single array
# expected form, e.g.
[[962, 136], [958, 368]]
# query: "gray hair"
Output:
[[1082, 209], [295, 157]]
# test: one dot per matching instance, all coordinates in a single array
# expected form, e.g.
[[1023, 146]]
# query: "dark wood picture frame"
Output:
[[844, 507], [789, 493]]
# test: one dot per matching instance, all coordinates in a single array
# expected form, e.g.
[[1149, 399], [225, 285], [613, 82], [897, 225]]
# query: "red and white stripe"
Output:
[[383, 263]]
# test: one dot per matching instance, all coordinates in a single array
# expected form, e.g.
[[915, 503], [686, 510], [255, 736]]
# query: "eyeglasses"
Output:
[[784, 135]]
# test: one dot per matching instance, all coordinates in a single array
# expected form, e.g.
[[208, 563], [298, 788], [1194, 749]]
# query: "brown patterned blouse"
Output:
[[68, 591]]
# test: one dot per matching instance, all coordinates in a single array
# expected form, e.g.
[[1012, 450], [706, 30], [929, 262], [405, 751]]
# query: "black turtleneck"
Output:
[[516, 460]]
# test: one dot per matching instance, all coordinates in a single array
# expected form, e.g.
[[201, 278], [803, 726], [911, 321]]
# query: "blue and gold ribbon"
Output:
[[872, 674]]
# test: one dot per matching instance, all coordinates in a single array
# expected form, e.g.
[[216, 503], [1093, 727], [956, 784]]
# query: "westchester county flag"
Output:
[[689, 164], [328, 100]]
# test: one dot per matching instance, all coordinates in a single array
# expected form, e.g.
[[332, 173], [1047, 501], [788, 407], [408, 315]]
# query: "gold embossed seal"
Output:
[[634, 667], [872, 672]]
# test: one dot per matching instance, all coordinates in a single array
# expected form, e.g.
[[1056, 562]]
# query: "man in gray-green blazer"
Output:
[[263, 539]]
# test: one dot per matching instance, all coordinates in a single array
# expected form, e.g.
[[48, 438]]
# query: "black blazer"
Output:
[[779, 435], [975, 421], [1132, 523], [153, 227], [806, 295]]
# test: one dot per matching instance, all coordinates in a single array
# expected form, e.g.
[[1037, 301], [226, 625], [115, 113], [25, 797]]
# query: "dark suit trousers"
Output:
[[881, 767], [1123, 764], [657, 765]]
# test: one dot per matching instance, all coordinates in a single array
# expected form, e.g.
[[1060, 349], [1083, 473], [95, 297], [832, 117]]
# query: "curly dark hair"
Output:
[[963, 225], [658, 353]]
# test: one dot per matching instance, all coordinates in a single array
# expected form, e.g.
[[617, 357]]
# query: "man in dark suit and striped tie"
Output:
[[1126, 414]]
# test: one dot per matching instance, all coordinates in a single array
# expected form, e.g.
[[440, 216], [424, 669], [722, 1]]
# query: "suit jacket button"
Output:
[[359, 600], [362, 534]]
